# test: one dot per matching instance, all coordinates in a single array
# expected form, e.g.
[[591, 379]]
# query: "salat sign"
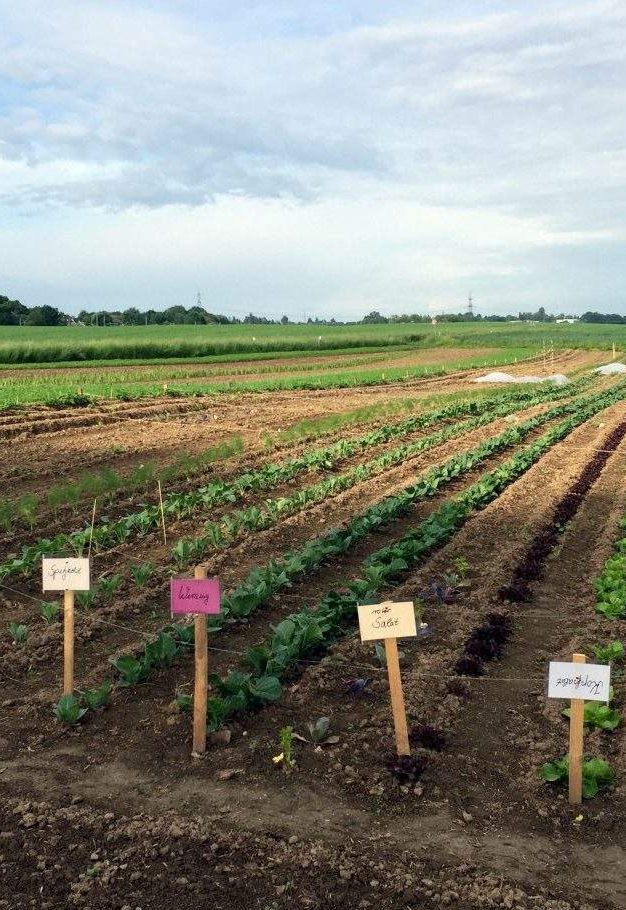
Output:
[[195, 595], [590, 682], [387, 620]]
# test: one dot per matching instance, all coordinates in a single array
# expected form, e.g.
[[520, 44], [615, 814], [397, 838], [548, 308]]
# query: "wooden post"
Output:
[[397, 696], [613, 350], [201, 675], [68, 642], [577, 711], [162, 513]]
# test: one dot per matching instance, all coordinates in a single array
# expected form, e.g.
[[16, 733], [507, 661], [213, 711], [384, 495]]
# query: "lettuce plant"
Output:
[[597, 714], [68, 710], [597, 774]]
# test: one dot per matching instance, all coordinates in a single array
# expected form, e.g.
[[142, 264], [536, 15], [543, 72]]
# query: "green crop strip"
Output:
[[264, 581], [611, 584], [310, 631], [223, 532], [20, 393], [183, 505]]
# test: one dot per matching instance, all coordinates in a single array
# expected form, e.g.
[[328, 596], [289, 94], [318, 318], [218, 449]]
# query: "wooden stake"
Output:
[[68, 642], [200, 683], [93, 521], [613, 350], [162, 513], [577, 712], [397, 696]]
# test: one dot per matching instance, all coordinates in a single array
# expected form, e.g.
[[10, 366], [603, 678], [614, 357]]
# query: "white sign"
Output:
[[65, 574], [387, 620], [589, 681]]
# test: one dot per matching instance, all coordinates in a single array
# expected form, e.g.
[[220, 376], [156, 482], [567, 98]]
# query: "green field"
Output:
[[74, 387], [32, 345]]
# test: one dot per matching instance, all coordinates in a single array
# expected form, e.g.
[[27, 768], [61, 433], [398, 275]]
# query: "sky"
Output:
[[313, 159]]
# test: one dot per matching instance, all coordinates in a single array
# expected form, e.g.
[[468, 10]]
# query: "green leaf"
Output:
[[266, 689]]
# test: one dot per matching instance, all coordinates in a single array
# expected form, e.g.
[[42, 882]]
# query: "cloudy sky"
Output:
[[313, 158]]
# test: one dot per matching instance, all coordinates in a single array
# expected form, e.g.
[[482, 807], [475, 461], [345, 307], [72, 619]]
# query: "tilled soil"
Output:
[[115, 814], [102, 632], [43, 446]]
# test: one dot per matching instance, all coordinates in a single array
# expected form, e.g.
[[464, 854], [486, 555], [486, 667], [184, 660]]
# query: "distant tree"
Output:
[[45, 315], [284, 320], [132, 316], [11, 311], [374, 318]]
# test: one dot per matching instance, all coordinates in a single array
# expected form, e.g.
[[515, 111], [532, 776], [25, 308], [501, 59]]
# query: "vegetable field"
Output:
[[327, 482]]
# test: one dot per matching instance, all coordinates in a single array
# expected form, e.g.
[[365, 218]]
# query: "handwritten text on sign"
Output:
[[588, 681], [387, 620], [195, 595], [65, 574]]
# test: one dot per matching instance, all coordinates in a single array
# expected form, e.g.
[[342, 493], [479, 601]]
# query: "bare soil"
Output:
[[116, 814]]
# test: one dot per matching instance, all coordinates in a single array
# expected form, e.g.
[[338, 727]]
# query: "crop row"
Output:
[[306, 633], [37, 391], [183, 505], [611, 584], [222, 532], [106, 482], [264, 581]]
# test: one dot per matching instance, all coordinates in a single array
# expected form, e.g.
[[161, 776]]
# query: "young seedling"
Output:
[[87, 598], [98, 698], [50, 611], [461, 566], [18, 632], [184, 703], [286, 756], [109, 586], [597, 774], [357, 687], [609, 654], [319, 730], [141, 573], [68, 710]]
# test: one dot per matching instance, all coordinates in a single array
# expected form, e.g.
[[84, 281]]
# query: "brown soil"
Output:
[[115, 814], [39, 447]]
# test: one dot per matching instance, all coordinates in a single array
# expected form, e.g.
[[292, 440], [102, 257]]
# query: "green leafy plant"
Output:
[[380, 653], [18, 632], [184, 703], [609, 654], [597, 774], [109, 586], [319, 731], [461, 566], [286, 756], [598, 715], [50, 611], [99, 697], [86, 599], [130, 669], [68, 710], [141, 573]]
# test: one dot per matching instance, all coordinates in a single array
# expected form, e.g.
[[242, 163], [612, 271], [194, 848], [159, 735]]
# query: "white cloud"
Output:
[[462, 144]]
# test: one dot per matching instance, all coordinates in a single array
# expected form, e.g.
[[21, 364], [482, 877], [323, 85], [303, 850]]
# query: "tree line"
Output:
[[13, 312]]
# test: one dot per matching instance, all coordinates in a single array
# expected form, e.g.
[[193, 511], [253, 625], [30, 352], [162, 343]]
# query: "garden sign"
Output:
[[389, 621], [578, 681], [67, 575], [201, 596]]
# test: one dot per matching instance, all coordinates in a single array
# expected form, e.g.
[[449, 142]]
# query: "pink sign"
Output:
[[195, 595]]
